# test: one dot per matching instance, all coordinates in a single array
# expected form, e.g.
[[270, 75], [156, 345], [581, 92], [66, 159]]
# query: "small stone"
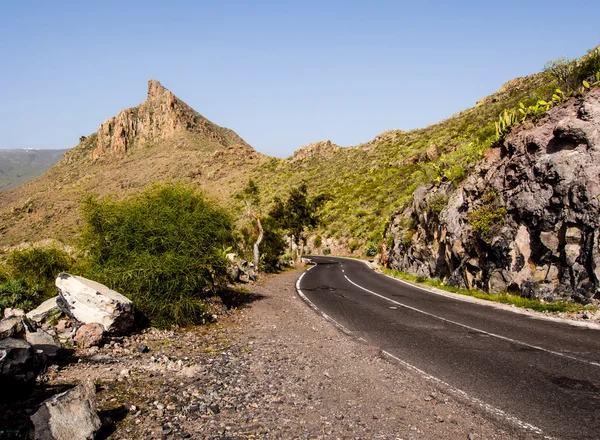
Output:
[[142, 348], [89, 335], [9, 311], [124, 373]]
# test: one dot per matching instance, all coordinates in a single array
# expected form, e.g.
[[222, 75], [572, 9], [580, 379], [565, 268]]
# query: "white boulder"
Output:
[[88, 301]]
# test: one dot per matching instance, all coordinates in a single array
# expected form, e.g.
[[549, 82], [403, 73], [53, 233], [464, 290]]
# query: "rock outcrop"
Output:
[[160, 117], [323, 148], [526, 221], [88, 301]]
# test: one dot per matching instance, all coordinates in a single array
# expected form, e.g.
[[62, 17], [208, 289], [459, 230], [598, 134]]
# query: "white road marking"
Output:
[[486, 407], [505, 338], [457, 393]]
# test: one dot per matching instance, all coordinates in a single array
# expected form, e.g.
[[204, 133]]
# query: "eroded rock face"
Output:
[[161, 116], [543, 181], [68, 416], [88, 301]]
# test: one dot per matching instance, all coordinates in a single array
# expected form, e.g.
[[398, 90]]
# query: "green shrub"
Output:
[[484, 219], [272, 246], [39, 267], [318, 241], [371, 249], [16, 293], [352, 245], [437, 203], [326, 251], [164, 248]]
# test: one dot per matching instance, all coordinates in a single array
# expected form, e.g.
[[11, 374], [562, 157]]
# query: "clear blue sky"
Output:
[[281, 74]]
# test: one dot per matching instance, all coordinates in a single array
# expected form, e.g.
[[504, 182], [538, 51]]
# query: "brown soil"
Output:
[[274, 369]]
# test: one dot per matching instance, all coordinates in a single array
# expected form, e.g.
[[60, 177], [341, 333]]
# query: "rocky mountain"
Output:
[[162, 139], [526, 220], [20, 165]]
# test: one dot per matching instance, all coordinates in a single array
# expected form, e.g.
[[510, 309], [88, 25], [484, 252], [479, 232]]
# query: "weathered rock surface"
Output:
[[46, 311], [18, 368], [161, 116], [88, 301], [71, 415], [89, 335], [543, 186]]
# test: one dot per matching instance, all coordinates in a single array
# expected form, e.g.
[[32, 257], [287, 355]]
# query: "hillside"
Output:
[[161, 139], [164, 139], [20, 165]]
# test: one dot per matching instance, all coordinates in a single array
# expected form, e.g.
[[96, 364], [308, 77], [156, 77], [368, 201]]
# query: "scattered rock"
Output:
[[45, 343], [9, 311], [142, 348], [88, 301], [45, 312], [18, 368], [12, 327], [71, 415], [89, 335]]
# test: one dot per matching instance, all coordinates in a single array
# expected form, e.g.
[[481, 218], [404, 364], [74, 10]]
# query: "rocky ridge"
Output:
[[161, 116], [526, 221], [323, 148]]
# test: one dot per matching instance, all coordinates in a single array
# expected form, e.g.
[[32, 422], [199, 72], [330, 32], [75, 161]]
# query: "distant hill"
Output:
[[19, 166]]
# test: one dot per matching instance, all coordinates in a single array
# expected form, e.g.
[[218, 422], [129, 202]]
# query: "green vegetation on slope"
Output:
[[370, 182], [503, 298]]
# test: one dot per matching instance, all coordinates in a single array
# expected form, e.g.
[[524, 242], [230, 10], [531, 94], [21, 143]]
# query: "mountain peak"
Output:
[[160, 117], [156, 89]]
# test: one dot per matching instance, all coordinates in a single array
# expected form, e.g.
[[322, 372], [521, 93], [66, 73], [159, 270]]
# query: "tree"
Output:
[[297, 213], [562, 70], [250, 195]]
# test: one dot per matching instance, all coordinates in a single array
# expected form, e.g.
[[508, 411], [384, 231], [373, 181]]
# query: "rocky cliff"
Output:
[[160, 117], [526, 221]]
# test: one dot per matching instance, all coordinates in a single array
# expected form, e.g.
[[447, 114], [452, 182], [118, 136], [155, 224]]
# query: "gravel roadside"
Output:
[[274, 370]]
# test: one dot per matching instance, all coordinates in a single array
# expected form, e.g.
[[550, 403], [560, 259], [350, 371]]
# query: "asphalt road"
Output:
[[541, 375]]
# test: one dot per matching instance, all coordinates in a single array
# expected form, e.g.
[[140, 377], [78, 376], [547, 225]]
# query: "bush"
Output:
[[39, 267], [272, 246], [318, 241], [371, 249], [326, 251], [487, 217], [16, 293], [164, 248], [353, 245]]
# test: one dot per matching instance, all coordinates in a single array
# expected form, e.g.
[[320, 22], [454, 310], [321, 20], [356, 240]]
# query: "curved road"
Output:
[[540, 375]]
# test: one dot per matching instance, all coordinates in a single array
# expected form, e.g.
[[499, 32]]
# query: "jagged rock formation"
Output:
[[161, 116], [527, 220], [322, 148]]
